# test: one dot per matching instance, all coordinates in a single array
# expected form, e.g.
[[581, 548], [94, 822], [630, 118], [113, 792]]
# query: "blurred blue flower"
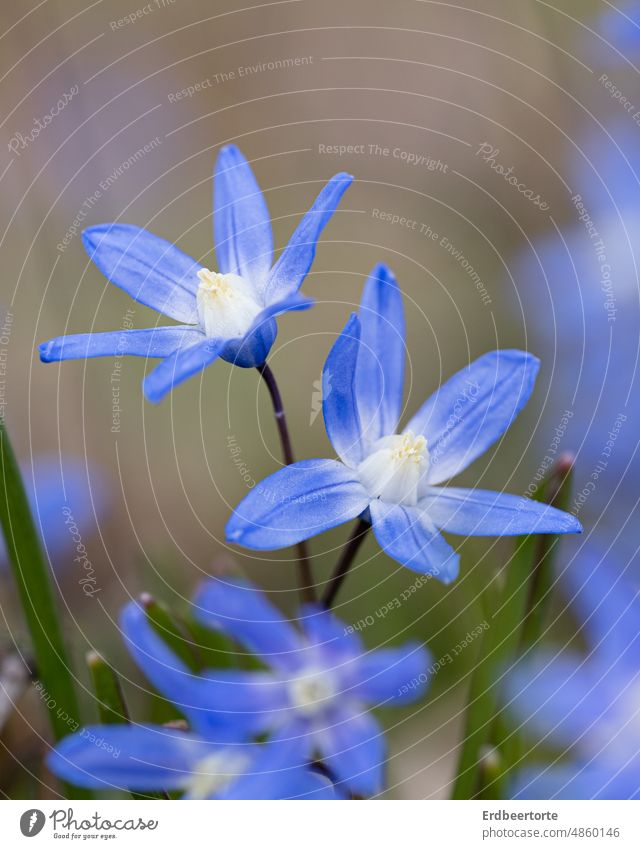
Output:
[[621, 29], [230, 314], [214, 759], [320, 683], [59, 488], [579, 290], [391, 477], [590, 706]]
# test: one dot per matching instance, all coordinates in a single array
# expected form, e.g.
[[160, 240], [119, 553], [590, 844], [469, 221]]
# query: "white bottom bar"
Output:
[[314, 825]]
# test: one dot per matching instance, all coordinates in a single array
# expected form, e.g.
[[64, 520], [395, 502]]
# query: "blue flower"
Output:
[[590, 705], [392, 478], [214, 759], [319, 683], [621, 30], [579, 293], [66, 498], [228, 314]]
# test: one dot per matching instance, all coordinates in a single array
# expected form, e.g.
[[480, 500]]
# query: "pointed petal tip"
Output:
[[229, 156], [91, 235], [576, 526], [381, 271], [232, 534], [352, 327], [45, 350], [153, 396], [450, 574], [229, 149]]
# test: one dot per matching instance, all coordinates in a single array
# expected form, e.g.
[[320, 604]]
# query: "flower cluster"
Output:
[[311, 702], [300, 725]]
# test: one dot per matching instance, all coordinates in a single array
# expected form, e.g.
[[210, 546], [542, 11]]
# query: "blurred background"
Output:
[[434, 107]]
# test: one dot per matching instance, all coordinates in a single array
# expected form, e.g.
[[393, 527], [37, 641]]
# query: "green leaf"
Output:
[[172, 631], [31, 574]]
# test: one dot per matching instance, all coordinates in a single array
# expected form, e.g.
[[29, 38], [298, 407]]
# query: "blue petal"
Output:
[[253, 350], [190, 693], [380, 370], [296, 503], [565, 699], [182, 364], [154, 342], [241, 223], [277, 772], [411, 538], [295, 261], [339, 401], [473, 409], [609, 606], [479, 512], [295, 302], [325, 631], [298, 783], [394, 675], [150, 269], [621, 29], [142, 757], [255, 700], [354, 749], [239, 609], [577, 781]]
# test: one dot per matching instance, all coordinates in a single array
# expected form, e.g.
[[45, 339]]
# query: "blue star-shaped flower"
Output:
[[228, 314], [590, 705], [392, 478], [319, 686], [214, 759]]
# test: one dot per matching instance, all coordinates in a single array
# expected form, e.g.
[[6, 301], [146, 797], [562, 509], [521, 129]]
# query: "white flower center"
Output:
[[227, 306], [214, 772], [393, 470], [311, 691]]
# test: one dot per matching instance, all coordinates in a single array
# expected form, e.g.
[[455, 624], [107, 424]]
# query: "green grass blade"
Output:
[[32, 579], [112, 709]]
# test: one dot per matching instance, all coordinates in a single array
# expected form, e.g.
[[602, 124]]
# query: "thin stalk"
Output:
[[345, 561], [305, 574]]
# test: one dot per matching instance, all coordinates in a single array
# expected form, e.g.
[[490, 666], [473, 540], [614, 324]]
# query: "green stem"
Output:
[[31, 575], [517, 622], [505, 738], [498, 645], [112, 708], [345, 561]]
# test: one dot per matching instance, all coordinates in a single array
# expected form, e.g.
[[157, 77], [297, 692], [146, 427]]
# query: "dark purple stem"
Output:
[[306, 588], [345, 561]]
